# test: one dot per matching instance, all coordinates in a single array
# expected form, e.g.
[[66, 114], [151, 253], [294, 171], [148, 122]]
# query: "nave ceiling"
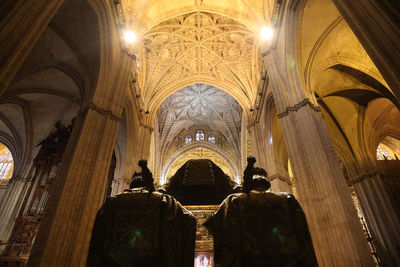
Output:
[[182, 43], [197, 47], [143, 15], [199, 107]]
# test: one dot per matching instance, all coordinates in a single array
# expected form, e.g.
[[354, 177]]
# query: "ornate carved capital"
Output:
[[251, 124], [280, 177], [298, 106], [104, 112], [15, 178], [363, 177], [151, 129]]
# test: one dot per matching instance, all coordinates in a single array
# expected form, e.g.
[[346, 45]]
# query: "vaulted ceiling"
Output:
[[358, 106], [144, 14], [60, 73], [198, 47], [200, 106]]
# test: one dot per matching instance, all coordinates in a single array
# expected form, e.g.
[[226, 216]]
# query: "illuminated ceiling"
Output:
[[144, 14], [200, 105], [201, 153], [205, 107], [198, 47]]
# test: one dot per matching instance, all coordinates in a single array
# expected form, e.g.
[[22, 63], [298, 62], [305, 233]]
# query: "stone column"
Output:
[[11, 205], [119, 184], [280, 183], [258, 142], [143, 147], [321, 188], [322, 191], [381, 215], [65, 231], [21, 24], [376, 25], [263, 151], [141, 150]]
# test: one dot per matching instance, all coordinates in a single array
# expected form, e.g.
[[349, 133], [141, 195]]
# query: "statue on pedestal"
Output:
[[259, 227], [142, 227]]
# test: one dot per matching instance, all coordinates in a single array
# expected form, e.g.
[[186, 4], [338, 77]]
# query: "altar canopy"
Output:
[[139, 228], [261, 229]]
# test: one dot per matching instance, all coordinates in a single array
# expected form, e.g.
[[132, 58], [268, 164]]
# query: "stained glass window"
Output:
[[137, 60], [211, 139], [382, 154], [6, 163], [188, 139], [199, 135]]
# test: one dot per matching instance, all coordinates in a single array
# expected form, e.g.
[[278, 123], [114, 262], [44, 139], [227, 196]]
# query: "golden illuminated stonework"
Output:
[[199, 47], [201, 153]]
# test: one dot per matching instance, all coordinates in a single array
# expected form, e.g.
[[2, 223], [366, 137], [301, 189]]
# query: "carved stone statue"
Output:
[[260, 228], [142, 227], [248, 174]]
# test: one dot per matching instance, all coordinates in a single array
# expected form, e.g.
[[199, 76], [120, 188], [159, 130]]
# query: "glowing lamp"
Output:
[[266, 33], [130, 36]]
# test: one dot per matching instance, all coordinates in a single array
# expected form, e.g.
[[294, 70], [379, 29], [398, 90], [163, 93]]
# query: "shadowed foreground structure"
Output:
[[309, 87], [142, 228], [261, 228]]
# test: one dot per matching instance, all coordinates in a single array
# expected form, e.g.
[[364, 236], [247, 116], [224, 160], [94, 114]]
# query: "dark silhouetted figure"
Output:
[[260, 228], [142, 228], [248, 174]]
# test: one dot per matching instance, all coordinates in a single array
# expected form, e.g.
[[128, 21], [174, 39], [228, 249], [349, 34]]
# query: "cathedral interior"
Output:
[[311, 88]]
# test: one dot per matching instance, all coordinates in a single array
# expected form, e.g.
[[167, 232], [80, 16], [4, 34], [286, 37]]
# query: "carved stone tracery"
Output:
[[200, 46], [199, 107]]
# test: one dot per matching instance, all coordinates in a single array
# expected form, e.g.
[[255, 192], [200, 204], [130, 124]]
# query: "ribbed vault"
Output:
[[144, 14], [198, 47], [199, 107], [199, 153]]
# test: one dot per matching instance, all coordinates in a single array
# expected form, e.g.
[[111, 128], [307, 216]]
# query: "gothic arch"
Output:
[[188, 147], [250, 13], [206, 47]]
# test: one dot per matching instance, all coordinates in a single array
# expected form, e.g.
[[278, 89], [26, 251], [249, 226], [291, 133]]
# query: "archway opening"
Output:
[[196, 120], [201, 153], [6, 164], [388, 149]]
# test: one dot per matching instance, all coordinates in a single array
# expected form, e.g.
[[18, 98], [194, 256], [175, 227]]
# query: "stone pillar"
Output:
[[376, 25], [11, 205], [21, 24], [263, 151], [258, 142], [65, 231], [138, 140], [143, 147], [141, 150], [322, 191], [119, 184], [381, 215], [321, 188], [280, 183]]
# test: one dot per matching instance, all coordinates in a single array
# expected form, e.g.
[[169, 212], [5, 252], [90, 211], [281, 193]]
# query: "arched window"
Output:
[[211, 138], [199, 135], [6, 164], [388, 149], [188, 139], [382, 153]]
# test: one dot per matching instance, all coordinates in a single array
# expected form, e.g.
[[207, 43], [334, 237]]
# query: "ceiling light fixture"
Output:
[[130, 36], [266, 33]]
